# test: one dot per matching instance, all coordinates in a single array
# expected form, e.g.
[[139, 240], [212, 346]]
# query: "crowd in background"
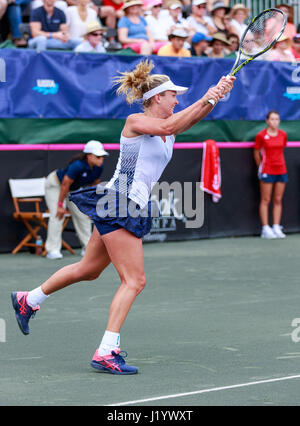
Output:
[[163, 27]]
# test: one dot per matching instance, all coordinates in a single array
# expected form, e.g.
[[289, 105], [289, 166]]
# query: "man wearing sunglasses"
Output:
[[93, 39]]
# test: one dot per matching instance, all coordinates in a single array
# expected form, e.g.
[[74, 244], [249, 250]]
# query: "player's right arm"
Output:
[[137, 124]]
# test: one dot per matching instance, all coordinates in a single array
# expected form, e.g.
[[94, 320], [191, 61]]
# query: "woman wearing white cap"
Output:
[[84, 169], [146, 147]]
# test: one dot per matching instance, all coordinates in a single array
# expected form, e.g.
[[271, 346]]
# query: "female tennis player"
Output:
[[146, 146], [272, 173]]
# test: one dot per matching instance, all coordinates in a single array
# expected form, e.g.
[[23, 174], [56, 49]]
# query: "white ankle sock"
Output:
[[109, 342], [36, 297]]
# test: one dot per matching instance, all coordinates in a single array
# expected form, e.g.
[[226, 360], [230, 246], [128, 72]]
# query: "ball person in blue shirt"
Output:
[[83, 170]]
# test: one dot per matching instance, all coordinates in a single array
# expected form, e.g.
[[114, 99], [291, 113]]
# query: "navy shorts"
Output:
[[105, 228], [111, 210], [264, 177]]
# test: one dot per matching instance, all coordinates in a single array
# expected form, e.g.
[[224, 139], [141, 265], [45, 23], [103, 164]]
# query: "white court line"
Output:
[[178, 395]]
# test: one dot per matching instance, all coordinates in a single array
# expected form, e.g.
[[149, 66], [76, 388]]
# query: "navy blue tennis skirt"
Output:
[[110, 210]]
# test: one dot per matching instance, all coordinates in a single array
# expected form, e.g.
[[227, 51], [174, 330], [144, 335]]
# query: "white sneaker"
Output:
[[267, 232], [54, 255], [277, 229], [82, 252]]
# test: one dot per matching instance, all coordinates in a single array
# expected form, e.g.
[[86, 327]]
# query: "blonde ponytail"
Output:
[[135, 83]]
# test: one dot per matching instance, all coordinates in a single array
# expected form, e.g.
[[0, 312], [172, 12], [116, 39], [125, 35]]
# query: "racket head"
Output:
[[263, 32], [261, 35]]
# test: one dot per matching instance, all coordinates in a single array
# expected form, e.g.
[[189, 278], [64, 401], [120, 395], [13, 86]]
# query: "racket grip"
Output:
[[212, 102]]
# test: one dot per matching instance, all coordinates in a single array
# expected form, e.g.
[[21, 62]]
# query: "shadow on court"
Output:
[[215, 316]]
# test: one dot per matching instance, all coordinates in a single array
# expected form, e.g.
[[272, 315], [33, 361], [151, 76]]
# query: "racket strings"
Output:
[[262, 32]]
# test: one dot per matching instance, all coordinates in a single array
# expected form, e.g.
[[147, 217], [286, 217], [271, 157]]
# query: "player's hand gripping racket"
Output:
[[261, 34]]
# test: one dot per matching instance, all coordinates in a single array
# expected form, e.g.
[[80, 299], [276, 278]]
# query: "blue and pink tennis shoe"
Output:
[[23, 310], [113, 363]]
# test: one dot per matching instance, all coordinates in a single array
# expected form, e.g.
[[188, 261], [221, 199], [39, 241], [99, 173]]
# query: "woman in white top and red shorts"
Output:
[[146, 148]]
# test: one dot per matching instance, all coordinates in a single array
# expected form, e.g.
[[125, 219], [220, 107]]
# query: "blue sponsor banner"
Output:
[[55, 84]]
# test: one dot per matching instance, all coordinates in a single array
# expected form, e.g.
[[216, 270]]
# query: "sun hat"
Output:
[[167, 85], [239, 6], [132, 3], [153, 3], [178, 32], [221, 37], [219, 5], [174, 5], [96, 148], [198, 2], [93, 26], [200, 37]]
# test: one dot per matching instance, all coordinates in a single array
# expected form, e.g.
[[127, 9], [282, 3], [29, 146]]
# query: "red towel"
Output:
[[211, 170]]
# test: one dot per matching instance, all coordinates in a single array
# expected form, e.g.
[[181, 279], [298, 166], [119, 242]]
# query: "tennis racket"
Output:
[[260, 36]]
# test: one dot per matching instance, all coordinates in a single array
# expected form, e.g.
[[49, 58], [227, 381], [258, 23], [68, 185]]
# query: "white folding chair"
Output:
[[32, 191]]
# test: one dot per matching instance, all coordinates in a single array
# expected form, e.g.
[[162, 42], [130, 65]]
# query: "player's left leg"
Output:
[[126, 253], [279, 188]]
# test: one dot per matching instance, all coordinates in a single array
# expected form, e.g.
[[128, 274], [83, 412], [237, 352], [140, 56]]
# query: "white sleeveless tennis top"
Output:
[[141, 163]]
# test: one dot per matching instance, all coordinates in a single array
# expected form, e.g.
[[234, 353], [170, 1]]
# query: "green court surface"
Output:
[[212, 327]]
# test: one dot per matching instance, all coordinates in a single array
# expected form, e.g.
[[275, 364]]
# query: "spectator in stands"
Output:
[[84, 170], [78, 16], [219, 46], [176, 45], [93, 39], [290, 29], [200, 43], [296, 47], [234, 45], [49, 29], [14, 12], [198, 20], [282, 50], [216, 21], [109, 11], [133, 30], [239, 13], [172, 18], [272, 173], [155, 24]]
